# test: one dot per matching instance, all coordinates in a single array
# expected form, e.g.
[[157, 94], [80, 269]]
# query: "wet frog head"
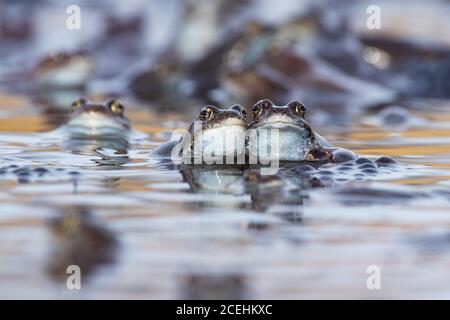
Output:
[[213, 120], [283, 132], [214, 132], [95, 120]]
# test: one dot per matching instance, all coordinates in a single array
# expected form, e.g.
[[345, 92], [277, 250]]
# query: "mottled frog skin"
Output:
[[79, 239]]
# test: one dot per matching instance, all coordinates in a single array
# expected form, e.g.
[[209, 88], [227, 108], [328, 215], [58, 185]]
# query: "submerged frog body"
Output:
[[63, 71], [97, 121], [282, 133], [214, 134]]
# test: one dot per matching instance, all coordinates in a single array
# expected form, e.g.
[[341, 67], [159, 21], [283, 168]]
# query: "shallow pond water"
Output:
[[142, 229]]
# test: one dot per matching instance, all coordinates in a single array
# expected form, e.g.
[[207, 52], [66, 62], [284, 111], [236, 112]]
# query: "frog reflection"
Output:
[[79, 239], [107, 154], [281, 195]]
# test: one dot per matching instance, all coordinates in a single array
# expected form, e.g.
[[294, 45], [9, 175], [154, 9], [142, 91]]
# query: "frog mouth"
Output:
[[279, 121], [96, 125], [279, 125]]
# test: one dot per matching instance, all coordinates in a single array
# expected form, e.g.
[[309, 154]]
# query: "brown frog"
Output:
[[283, 132], [97, 120], [215, 132]]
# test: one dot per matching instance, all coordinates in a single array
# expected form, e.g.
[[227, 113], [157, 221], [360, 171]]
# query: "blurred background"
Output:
[[335, 56]]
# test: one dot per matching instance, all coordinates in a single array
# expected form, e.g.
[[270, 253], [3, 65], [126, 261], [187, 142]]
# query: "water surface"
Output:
[[151, 234]]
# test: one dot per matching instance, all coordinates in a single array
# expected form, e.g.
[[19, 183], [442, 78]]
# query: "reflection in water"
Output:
[[213, 179], [55, 104], [112, 153], [281, 194], [79, 240]]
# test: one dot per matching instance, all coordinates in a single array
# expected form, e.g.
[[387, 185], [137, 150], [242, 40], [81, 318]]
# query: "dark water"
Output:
[[140, 229]]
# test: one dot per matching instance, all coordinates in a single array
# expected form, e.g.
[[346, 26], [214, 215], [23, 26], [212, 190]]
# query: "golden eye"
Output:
[[78, 104], [206, 114], [116, 107], [299, 110], [257, 109]]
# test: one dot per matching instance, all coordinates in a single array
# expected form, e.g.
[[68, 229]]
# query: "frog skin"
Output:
[[90, 120], [213, 178], [297, 141], [211, 130], [63, 71], [79, 239]]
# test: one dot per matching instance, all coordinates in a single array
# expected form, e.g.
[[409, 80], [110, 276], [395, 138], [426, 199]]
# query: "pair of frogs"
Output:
[[280, 132]]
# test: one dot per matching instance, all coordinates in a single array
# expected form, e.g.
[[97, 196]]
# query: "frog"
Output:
[[91, 120], [283, 132], [214, 134], [63, 71]]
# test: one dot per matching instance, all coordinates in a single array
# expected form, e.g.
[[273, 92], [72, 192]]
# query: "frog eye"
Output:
[[116, 107], [240, 109], [298, 108], [206, 113], [78, 104]]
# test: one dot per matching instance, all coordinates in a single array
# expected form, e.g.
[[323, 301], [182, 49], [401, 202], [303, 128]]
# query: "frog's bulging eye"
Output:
[[260, 106], [78, 104], [266, 103], [257, 109], [298, 108], [116, 107], [206, 114]]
